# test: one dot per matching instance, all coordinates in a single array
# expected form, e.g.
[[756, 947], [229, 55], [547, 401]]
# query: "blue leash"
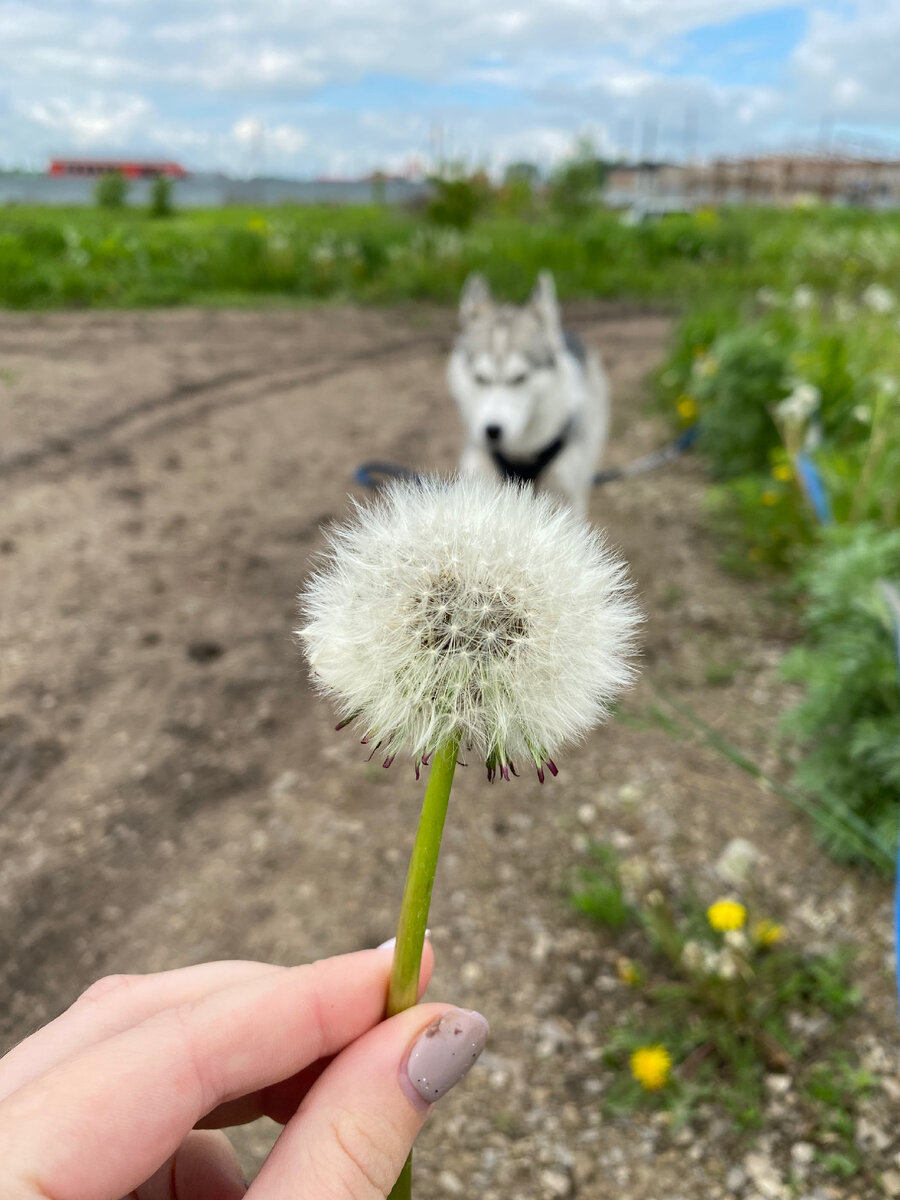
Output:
[[814, 486], [375, 473]]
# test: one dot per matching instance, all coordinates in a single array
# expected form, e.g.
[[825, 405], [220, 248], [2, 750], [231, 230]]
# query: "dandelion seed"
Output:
[[651, 1067]]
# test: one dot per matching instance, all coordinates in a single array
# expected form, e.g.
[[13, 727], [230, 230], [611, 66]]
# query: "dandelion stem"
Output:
[[404, 986]]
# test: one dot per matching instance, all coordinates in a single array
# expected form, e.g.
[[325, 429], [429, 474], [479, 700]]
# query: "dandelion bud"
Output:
[[469, 612]]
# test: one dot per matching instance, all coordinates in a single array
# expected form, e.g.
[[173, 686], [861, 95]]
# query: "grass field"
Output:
[[90, 257]]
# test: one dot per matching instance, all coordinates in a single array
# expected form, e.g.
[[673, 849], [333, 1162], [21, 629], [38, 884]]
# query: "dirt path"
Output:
[[171, 791]]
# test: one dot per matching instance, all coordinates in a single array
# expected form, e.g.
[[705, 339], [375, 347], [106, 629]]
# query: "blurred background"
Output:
[[231, 248]]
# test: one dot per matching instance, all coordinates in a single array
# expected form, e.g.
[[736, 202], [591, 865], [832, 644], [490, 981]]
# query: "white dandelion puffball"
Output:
[[469, 610]]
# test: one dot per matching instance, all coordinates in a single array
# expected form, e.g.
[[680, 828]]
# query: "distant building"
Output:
[[766, 179], [131, 168]]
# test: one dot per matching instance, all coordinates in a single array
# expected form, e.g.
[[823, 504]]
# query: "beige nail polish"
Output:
[[445, 1051]]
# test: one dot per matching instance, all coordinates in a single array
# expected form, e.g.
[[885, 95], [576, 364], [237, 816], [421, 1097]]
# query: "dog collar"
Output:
[[527, 470]]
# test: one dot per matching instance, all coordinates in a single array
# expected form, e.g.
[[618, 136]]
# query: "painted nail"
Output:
[[445, 1051]]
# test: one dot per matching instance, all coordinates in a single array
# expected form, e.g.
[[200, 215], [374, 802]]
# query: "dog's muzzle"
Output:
[[493, 433]]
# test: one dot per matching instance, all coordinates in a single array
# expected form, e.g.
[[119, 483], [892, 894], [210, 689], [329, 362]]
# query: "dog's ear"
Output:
[[475, 299], [543, 300]]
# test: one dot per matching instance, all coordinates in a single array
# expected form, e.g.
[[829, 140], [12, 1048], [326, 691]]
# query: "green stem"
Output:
[[404, 986]]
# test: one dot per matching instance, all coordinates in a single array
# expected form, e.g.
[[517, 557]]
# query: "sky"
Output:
[[343, 87]]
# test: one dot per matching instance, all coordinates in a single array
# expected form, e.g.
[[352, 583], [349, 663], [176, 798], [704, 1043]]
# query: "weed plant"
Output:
[[721, 997]]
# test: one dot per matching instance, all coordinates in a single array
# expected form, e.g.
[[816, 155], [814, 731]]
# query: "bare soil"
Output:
[[171, 790]]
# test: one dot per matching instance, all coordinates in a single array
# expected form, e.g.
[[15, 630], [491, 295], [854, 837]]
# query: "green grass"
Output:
[[91, 257]]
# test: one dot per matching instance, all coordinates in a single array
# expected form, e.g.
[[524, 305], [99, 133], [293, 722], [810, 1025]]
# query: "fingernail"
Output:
[[445, 1051], [391, 942]]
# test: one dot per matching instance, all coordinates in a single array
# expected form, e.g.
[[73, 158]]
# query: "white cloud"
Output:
[[846, 67], [254, 135], [97, 121], [520, 78]]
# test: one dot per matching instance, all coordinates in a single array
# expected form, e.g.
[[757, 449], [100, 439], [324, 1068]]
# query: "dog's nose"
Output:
[[493, 432]]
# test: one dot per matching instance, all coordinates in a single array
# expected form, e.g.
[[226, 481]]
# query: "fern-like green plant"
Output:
[[848, 723]]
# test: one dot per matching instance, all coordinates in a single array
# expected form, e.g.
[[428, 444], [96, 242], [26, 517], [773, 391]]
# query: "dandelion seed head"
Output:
[[470, 610]]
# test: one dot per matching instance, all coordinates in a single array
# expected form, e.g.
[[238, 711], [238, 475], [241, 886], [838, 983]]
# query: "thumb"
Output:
[[353, 1132]]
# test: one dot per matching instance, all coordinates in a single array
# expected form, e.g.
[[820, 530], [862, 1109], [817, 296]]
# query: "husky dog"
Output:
[[534, 402]]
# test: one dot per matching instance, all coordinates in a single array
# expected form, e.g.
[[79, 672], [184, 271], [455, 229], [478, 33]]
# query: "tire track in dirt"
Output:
[[266, 385]]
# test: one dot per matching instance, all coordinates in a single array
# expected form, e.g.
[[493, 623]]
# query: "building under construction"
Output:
[[780, 179]]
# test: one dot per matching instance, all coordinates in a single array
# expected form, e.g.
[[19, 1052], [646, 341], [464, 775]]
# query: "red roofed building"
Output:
[[131, 168]]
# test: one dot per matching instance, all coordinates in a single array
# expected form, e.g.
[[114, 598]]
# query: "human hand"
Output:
[[125, 1093]]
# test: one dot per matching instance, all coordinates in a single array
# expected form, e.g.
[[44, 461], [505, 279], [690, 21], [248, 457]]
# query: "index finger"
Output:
[[97, 1126]]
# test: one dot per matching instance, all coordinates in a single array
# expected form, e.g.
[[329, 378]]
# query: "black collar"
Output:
[[527, 470]]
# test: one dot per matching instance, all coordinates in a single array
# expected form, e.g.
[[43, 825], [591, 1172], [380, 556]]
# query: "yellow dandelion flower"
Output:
[[628, 972], [783, 472], [767, 933], [687, 407], [726, 914], [257, 225], [650, 1066], [769, 499]]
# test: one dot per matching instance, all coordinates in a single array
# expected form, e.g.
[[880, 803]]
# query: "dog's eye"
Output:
[[482, 379], [517, 380]]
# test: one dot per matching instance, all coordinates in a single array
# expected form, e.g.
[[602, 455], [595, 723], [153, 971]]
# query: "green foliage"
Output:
[[736, 386], [722, 1004], [161, 197], [381, 254], [813, 367], [522, 172], [457, 200], [848, 723], [574, 187], [516, 198], [833, 1091], [600, 893], [111, 190], [761, 521]]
